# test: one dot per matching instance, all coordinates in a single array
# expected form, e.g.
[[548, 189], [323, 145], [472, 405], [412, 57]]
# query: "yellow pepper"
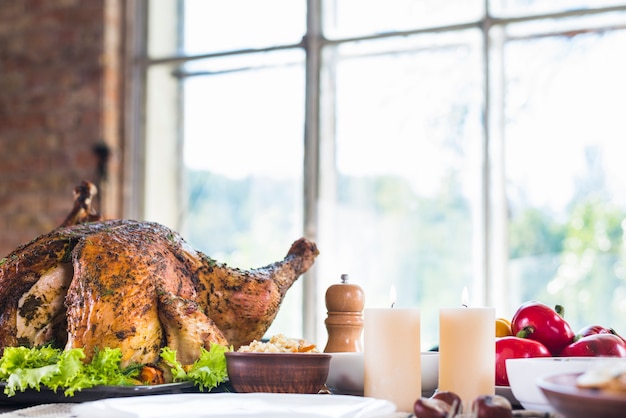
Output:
[[503, 327]]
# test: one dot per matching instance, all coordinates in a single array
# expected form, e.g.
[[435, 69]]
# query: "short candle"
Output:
[[392, 356], [467, 352]]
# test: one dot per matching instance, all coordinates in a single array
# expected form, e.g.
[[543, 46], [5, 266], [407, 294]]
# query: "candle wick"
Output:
[[464, 305], [393, 304]]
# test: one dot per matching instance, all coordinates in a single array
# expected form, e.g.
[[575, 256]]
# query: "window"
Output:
[[423, 147]]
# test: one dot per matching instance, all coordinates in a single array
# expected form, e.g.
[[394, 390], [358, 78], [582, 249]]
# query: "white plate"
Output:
[[199, 405]]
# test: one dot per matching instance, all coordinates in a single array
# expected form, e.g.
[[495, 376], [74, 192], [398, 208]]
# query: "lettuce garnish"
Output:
[[33, 367], [207, 372]]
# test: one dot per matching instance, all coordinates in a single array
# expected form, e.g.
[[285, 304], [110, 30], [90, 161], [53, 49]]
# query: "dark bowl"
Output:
[[277, 372], [573, 402]]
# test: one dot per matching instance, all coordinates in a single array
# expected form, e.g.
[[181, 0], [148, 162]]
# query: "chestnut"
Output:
[[451, 399], [492, 406], [431, 408]]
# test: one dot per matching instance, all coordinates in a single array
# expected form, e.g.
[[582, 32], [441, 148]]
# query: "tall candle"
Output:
[[392, 356], [467, 352]]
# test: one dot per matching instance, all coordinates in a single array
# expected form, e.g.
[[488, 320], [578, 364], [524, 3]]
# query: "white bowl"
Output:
[[346, 373], [523, 374], [430, 372]]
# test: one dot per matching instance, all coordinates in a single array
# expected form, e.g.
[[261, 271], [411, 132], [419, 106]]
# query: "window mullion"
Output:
[[313, 44], [496, 221]]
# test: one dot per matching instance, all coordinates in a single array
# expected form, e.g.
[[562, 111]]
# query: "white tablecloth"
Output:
[[54, 410], [64, 410]]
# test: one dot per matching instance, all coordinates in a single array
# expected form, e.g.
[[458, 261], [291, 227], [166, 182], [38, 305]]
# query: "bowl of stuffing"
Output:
[[280, 365]]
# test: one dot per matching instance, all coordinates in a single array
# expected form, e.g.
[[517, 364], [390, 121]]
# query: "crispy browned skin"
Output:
[[112, 300], [137, 286], [21, 269], [187, 328], [41, 315], [243, 303]]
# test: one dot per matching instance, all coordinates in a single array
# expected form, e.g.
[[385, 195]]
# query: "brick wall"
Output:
[[53, 64]]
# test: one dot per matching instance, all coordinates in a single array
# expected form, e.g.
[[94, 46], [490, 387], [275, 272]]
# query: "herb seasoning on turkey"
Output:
[[137, 286]]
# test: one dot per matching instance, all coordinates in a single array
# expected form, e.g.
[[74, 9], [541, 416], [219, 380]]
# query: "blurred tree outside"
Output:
[[580, 259]]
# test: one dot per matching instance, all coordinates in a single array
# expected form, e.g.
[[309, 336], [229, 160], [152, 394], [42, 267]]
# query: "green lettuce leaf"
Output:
[[104, 369], [169, 357], [24, 367], [69, 373], [207, 372], [30, 368]]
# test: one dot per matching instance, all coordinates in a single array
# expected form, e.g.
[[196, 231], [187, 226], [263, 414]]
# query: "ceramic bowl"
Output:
[[346, 373], [574, 402], [430, 372], [277, 372], [524, 373]]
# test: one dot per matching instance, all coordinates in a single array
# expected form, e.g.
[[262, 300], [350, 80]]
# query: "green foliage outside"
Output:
[[424, 245], [585, 256]]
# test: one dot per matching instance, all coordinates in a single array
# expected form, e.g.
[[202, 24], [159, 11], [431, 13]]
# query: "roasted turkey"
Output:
[[137, 286]]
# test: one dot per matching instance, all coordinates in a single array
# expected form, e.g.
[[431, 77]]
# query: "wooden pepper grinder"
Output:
[[344, 322]]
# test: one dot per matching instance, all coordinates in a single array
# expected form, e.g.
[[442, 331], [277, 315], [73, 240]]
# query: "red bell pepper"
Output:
[[595, 345], [539, 322], [515, 347], [596, 329]]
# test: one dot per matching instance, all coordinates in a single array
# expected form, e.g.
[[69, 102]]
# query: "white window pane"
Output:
[[400, 207], [571, 25], [349, 18], [243, 153], [526, 7], [402, 148], [217, 25], [565, 178]]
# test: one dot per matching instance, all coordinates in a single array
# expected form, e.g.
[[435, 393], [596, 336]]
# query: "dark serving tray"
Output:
[[45, 395]]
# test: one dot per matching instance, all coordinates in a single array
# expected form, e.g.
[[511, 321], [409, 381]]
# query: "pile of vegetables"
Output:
[[24, 368], [537, 330]]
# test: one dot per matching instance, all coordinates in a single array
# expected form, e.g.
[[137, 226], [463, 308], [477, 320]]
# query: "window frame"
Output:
[[149, 190]]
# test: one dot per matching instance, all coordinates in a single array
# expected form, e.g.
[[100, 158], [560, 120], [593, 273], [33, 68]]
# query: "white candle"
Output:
[[392, 353], [467, 352]]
